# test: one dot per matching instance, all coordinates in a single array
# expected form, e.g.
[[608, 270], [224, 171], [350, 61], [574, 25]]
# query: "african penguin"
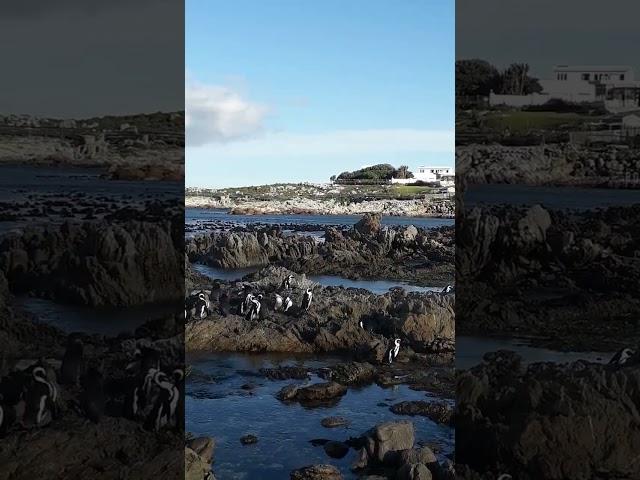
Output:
[[306, 299], [288, 303], [394, 350]]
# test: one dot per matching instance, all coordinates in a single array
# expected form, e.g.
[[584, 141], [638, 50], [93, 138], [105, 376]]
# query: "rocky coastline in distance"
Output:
[[324, 199], [132, 147]]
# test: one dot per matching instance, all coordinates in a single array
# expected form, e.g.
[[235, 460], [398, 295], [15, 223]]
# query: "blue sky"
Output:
[[299, 90]]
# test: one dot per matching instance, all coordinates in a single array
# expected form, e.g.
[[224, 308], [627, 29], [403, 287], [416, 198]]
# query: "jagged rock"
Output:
[[438, 412], [381, 444], [413, 471]]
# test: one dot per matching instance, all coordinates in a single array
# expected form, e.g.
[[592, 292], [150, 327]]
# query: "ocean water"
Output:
[[375, 286], [563, 198], [471, 349], [218, 406], [193, 216]]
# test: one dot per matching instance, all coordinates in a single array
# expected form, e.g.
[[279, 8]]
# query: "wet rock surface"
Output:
[[547, 420], [438, 412], [317, 472]]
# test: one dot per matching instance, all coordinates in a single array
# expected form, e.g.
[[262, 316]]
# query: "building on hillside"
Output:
[[613, 85], [443, 176]]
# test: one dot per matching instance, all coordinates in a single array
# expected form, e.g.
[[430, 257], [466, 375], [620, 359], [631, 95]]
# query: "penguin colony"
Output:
[[250, 305], [36, 396]]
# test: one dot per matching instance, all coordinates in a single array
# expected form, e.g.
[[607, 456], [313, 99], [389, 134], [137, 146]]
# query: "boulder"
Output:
[[316, 472]]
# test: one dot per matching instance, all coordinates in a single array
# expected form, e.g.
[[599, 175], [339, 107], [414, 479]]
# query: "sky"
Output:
[[545, 33], [86, 58], [300, 90]]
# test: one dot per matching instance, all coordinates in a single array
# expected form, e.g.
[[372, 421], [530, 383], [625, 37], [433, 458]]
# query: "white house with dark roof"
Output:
[[614, 85]]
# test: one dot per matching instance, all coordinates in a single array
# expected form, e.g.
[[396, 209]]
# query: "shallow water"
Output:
[[218, 407], [195, 215], [104, 321], [563, 198], [378, 287], [471, 349], [16, 182]]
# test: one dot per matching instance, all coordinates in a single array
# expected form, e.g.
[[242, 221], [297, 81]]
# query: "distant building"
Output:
[[443, 176], [613, 85]]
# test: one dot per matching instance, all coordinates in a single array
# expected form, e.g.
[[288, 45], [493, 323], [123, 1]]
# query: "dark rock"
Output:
[[248, 439]]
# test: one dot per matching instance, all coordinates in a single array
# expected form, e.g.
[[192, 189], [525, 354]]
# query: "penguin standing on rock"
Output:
[[288, 303], [306, 299], [447, 289], [40, 398], [254, 309], [72, 363], [165, 405], [394, 350]]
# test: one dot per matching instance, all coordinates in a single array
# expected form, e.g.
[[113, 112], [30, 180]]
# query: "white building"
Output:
[[614, 85], [444, 176]]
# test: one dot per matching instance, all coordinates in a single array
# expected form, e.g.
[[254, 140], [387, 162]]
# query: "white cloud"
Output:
[[339, 142], [219, 114]]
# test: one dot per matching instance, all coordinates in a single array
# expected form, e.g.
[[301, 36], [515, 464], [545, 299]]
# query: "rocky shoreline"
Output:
[[557, 164], [367, 250], [565, 278], [547, 420], [308, 206]]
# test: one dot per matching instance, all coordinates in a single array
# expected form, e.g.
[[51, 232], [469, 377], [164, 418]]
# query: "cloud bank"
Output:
[[219, 114]]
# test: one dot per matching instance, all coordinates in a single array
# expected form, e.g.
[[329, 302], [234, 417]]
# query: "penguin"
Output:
[[201, 308], [132, 400], [165, 405], [72, 363], [286, 284], [278, 303], [393, 351], [254, 309], [622, 356], [447, 289], [288, 303], [306, 299], [178, 381], [39, 398], [361, 323], [92, 398], [246, 304]]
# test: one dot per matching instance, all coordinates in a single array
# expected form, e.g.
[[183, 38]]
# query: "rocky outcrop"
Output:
[[198, 456], [381, 444], [330, 325], [320, 206], [561, 164], [549, 273], [438, 412], [316, 472], [95, 263], [366, 250], [313, 395], [547, 420]]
